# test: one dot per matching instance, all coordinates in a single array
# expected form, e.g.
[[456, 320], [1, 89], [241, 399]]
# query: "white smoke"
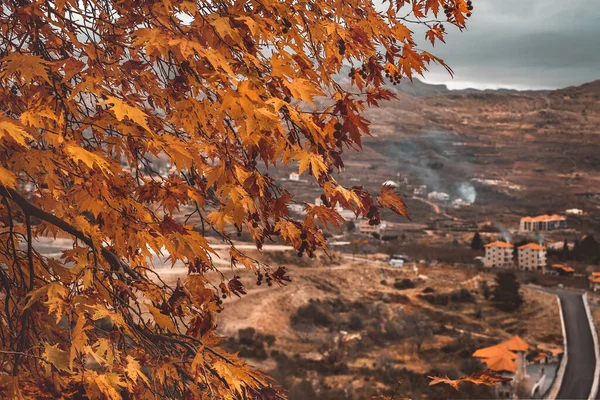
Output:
[[467, 192]]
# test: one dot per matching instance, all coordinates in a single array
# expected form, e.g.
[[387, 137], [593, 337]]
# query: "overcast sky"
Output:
[[522, 44]]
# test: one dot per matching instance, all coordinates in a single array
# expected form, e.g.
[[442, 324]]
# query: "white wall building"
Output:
[[363, 227], [294, 176], [498, 254], [532, 257], [438, 196], [574, 211]]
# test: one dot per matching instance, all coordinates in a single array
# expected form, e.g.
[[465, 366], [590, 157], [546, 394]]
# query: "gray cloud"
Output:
[[522, 44]]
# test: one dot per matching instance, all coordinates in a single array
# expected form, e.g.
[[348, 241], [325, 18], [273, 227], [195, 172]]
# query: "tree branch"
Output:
[[32, 210]]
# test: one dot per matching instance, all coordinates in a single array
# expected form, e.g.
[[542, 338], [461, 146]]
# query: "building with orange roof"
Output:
[[594, 280], [507, 359], [532, 257], [562, 270], [542, 223], [498, 254]]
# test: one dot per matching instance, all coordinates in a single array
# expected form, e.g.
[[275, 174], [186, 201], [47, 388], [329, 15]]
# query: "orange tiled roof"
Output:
[[501, 357], [494, 351], [533, 246], [595, 279], [515, 343], [565, 268], [545, 217], [501, 364], [499, 243], [596, 273]]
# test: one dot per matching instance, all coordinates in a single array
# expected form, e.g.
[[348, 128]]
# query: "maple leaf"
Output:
[[57, 357], [7, 178], [161, 319], [487, 378], [122, 110], [235, 286], [27, 65], [134, 370], [87, 157], [10, 128], [393, 201]]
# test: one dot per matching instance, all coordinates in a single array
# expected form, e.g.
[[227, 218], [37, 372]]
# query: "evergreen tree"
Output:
[[477, 243], [565, 254], [506, 296]]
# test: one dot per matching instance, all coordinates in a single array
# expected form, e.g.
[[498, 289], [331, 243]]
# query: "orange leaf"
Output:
[[393, 201]]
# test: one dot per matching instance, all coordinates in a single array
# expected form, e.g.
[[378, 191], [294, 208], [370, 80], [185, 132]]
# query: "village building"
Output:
[[294, 176], [507, 359], [574, 211], [498, 254], [390, 183], [532, 257], [542, 223], [561, 270], [420, 190], [297, 208], [364, 227], [594, 280], [438, 196]]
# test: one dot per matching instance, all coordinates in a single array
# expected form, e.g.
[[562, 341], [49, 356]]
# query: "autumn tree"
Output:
[[94, 92]]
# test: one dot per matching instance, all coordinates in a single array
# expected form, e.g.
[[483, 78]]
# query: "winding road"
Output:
[[581, 363]]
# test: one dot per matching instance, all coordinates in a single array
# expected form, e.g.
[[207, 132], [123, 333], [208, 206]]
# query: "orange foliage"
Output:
[[91, 92]]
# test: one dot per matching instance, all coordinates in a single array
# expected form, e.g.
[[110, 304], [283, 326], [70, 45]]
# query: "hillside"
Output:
[[513, 148]]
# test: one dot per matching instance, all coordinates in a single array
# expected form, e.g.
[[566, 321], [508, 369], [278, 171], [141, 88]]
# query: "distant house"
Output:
[[458, 203], [594, 280], [498, 254], [561, 270], [438, 196], [294, 176], [542, 223], [420, 190], [574, 211], [297, 209], [507, 359], [532, 257], [364, 227]]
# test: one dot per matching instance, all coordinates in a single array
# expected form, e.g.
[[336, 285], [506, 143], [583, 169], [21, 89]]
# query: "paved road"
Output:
[[579, 374]]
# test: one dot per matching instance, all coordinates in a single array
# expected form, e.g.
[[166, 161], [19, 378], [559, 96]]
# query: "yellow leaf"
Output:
[[57, 357], [232, 374], [87, 157], [110, 384], [7, 178], [134, 370], [103, 312], [37, 294], [122, 110], [161, 319], [9, 127], [289, 231], [29, 66], [80, 339], [57, 293], [218, 219], [303, 89]]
